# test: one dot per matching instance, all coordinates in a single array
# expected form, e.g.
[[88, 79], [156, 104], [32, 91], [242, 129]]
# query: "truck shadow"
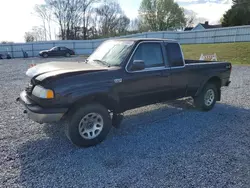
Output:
[[174, 126]]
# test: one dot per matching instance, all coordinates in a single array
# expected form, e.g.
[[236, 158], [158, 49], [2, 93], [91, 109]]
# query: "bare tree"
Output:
[[87, 11], [6, 42], [29, 37], [72, 16], [81, 19], [134, 25], [123, 24], [45, 14], [36, 34], [111, 19], [192, 19]]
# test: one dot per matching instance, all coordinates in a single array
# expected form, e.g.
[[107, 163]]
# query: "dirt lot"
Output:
[[163, 145]]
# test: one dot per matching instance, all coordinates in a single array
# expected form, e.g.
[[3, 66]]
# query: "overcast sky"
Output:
[[16, 15]]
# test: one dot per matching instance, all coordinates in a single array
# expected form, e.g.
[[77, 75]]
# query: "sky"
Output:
[[20, 18]]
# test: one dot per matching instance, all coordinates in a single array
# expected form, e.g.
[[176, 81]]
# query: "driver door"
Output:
[[146, 86], [55, 52]]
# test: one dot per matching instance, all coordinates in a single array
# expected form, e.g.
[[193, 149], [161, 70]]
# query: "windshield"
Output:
[[54, 48], [111, 53]]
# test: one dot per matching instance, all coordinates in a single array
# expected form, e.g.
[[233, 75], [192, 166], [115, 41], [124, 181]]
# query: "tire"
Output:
[[45, 55], [89, 125], [67, 54], [206, 100]]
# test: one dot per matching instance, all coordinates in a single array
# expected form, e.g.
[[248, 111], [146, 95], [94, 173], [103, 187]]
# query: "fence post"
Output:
[[236, 31], [215, 35], [32, 50], [74, 47], [195, 42], [179, 37], [92, 46], [12, 53]]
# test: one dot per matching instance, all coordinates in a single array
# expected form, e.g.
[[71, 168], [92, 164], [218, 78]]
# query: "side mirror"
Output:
[[138, 65]]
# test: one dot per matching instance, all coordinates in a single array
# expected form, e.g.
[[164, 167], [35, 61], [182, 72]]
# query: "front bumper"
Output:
[[38, 113]]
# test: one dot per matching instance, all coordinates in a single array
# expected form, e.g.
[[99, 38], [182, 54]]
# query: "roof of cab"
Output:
[[145, 39]]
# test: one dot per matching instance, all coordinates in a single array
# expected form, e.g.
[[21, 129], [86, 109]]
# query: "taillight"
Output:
[[229, 67]]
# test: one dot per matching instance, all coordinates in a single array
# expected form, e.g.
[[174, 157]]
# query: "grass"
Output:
[[236, 53]]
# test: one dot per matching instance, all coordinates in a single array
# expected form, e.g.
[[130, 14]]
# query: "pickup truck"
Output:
[[119, 75]]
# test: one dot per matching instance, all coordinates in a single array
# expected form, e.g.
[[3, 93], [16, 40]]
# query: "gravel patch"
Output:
[[163, 145]]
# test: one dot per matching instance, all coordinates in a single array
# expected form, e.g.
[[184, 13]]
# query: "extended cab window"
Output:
[[174, 54], [150, 53]]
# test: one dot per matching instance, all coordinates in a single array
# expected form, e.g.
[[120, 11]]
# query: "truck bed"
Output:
[[190, 61]]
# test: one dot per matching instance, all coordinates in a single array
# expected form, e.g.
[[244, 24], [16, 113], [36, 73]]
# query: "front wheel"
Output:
[[207, 98], [45, 55], [89, 125]]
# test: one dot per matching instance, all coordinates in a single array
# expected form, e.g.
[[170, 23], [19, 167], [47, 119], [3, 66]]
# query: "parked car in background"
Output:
[[5, 56], [57, 51]]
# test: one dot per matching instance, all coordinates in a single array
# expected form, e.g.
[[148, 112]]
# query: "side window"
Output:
[[63, 48], [150, 53], [174, 54]]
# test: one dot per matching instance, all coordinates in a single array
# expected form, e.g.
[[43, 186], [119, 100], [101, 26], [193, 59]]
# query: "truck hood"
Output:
[[43, 51], [45, 70]]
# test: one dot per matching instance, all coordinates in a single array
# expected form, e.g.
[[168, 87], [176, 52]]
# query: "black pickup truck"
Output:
[[121, 74]]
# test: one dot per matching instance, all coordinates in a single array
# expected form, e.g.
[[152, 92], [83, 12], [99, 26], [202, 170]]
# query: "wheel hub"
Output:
[[91, 125], [209, 97]]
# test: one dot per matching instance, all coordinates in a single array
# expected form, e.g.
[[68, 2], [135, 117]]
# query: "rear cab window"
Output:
[[174, 54]]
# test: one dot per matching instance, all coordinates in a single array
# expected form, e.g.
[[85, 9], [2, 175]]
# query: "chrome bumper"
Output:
[[39, 114], [44, 118]]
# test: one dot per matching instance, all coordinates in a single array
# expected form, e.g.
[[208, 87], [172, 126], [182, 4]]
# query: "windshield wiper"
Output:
[[102, 62]]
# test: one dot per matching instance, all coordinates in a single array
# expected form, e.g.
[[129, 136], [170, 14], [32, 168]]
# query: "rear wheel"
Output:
[[207, 98], [89, 125], [45, 55]]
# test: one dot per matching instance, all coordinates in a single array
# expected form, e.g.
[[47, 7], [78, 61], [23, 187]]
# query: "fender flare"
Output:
[[212, 78], [110, 101]]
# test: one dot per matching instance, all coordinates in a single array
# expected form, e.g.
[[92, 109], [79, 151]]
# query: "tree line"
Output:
[[239, 14], [92, 19]]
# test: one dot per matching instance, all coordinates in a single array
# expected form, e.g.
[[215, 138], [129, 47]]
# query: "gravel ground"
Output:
[[162, 145]]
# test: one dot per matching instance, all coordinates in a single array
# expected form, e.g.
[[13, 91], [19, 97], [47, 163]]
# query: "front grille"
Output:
[[29, 88]]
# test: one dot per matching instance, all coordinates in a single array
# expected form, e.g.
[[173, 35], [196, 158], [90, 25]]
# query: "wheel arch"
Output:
[[213, 80], [45, 53], [108, 101]]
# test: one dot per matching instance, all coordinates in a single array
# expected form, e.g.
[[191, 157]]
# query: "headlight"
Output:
[[41, 92]]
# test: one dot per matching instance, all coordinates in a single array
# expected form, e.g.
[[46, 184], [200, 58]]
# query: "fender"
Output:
[[212, 78], [109, 100]]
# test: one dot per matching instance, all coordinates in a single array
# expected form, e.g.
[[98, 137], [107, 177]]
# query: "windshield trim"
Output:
[[128, 47]]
